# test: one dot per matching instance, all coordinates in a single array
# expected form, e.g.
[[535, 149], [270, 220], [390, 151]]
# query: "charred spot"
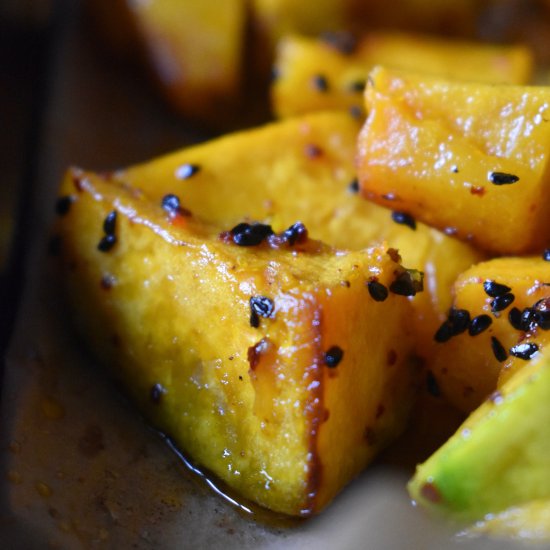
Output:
[[255, 352], [479, 324], [403, 218], [342, 41], [524, 351], [156, 393], [494, 289], [498, 350], [377, 290], [432, 385], [333, 356], [407, 282], [186, 171], [502, 178], [430, 492], [63, 205]]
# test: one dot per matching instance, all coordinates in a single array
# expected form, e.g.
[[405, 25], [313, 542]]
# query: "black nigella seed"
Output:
[[343, 41], [377, 291], [444, 333], [296, 233], [456, 323], [320, 83], [63, 205], [357, 86], [171, 203], [500, 303], [354, 186], [524, 351], [254, 319], [529, 319], [502, 178], [262, 306], [546, 254], [498, 350], [479, 324], [407, 283], [543, 319], [356, 112], [185, 171], [404, 219], [514, 316], [156, 393], [109, 224], [432, 385], [333, 356], [494, 289], [245, 234], [106, 243]]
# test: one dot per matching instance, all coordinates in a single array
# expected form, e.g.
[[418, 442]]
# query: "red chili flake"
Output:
[[63, 205], [343, 41], [320, 83], [377, 290], [404, 219], [494, 289], [156, 393], [185, 171], [500, 303], [430, 492], [333, 356], [524, 351], [479, 324], [502, 178], [394, 255], [479, 191], [313, 151], [498, 350]]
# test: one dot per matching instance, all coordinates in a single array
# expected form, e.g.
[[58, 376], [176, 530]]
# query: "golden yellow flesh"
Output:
[[168, 308], [498, 459], [433, 148], [465, 366], [301, 170], [301, 62]]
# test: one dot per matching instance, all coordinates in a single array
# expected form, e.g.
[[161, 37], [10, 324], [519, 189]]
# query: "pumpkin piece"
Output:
[[253, 359], [498, 459], [303, 169], [194, 50], [470, 159], [468, 367], [331, 72]]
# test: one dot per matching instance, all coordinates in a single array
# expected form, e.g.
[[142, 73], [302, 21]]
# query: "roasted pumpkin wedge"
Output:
[[470, 159], [330, 72], [500, 318], [497, 463], [303, 169], [277, 363]]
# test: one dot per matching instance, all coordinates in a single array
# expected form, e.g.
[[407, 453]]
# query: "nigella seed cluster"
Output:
[[333, 356], [457, 322], [494, 289], [109, 238], [260, 306], [537, 316]]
